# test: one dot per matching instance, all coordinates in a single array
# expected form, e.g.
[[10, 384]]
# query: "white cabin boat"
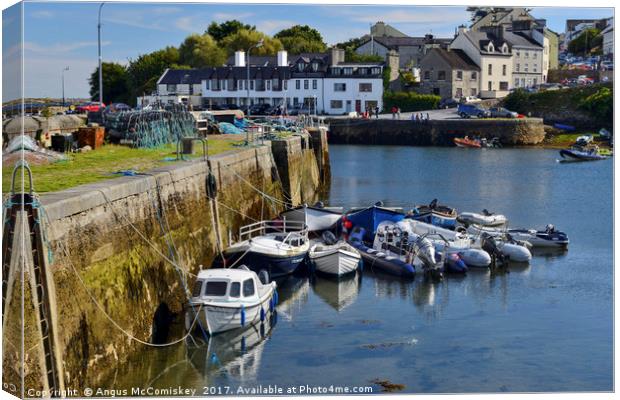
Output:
[[227, 299]]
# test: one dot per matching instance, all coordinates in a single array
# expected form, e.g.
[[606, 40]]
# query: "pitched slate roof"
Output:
[[457, 59], [481, 39], [196, 76], [520, 39]]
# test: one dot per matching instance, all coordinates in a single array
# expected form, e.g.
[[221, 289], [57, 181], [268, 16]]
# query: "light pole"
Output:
[[99, 52], [247, 82], [63, 85]]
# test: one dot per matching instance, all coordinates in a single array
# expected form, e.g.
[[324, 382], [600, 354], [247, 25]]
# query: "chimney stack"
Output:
[[336, 56], [282, 58], [239, 58]]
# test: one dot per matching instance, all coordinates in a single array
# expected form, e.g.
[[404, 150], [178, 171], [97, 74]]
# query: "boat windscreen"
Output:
[[216, 288], [197, 288]]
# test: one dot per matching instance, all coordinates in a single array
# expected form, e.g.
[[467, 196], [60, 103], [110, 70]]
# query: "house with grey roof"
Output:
[[492, 53], [384, 39], [528, 64], [449, 74]]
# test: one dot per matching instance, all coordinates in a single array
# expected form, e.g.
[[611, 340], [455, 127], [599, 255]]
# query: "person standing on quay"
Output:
[[377, 112], [394, 109], [398, 111]]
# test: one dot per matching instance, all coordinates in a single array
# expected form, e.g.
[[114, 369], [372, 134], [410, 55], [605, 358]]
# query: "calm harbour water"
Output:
[[543, 327]]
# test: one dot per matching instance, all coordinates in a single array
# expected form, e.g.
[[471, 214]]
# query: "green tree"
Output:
[[220, 31], [244, 39], [600, 105], [199, 51], [588, 42], [301, 39], [144, 71], [115, 83]]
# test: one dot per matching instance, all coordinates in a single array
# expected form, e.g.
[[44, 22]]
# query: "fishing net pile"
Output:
[[26, 147], [150, 128]]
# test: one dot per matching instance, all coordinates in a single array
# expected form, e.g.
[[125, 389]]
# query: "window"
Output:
[[248, 288], [459, 75], [340, 87], [268, 84], [490, 85], [171, 88], [427, 75], [474, 75], [459, 93], [441, 75], [207, 84], [216, 288], [301, 66], [504, 70], [347, 71], [306, 83], [518, 53], [335, 71], [235, 289], [534, 67], [241, 83], [197, 288], [518, 67], [490, 69], [527, 54], [297, 84], [285, 85], [376, 70], [336, 104], [365, 87], [252, 85], [526, 68], [473, 92], [516, 82], [314, 84], [535, 81], [503, 86], [315, 66]]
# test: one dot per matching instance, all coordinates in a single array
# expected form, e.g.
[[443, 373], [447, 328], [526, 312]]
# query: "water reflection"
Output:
[[339, 293], [235, 354], [293, 294]]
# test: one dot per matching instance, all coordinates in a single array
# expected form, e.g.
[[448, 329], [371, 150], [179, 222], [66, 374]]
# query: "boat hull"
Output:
[[217, 319], [336, 261], [436, 220], [276, 266], [316, 219], [390, 265], [481, 219], [581, 155]]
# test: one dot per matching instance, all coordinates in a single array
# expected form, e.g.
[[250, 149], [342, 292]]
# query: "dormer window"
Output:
[[505, 48], [315, 66], [490, 47], [301, 66]]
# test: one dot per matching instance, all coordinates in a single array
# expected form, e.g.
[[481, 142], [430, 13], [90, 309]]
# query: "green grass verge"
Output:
[[100, 164]]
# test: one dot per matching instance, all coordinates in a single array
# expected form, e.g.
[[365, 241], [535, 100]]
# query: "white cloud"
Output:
[[43, 14], [271, 27], [136, 20], [445, 15], [220, 16], [166, 10], [60, 48], [186, 24]]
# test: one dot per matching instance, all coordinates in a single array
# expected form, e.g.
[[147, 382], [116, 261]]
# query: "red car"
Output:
[[92, 106]]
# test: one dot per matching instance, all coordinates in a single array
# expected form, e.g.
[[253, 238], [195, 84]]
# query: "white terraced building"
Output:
[[319, 81]]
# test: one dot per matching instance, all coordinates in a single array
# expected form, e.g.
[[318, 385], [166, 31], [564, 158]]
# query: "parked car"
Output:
[[300, 110], [91, 106], [607, 65], [448, 103], [501, 112], [260, 109], [466, 110], [116, 107], [471, 99]]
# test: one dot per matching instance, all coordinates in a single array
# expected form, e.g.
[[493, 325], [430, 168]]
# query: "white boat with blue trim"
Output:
[[229, 298]]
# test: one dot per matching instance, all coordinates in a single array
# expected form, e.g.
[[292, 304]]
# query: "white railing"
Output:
[[263, 227]]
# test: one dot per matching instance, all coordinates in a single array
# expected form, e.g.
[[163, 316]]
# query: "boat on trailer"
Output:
[[332, 256], [229, 298], [276, 247], [316, 218]]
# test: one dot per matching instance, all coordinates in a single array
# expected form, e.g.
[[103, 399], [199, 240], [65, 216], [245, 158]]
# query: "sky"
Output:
[[64, 34]]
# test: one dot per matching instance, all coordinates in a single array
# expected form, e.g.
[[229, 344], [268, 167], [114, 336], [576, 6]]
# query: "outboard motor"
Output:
[[550, 228], [433, 204], [488, 244], [319, 204], [426, 253], [329, 238]]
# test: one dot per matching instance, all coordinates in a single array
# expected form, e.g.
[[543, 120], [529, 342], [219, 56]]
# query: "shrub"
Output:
[[410, 101], [600, 105]]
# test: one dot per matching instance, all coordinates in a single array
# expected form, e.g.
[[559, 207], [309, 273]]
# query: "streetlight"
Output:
[[247, 82], [99, 52], [63, 85]]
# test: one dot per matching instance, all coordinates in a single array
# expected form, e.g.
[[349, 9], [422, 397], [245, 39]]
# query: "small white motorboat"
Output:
[[229, 298], [333, 256], [484, 219]]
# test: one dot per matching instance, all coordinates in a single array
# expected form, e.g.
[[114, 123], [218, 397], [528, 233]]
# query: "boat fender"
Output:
[[211, 186], [242, 315], [275, 297], [262, 314], [214, 359], [271, 305]]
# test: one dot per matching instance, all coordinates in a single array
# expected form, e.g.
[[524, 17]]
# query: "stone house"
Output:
[[449, 74]]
